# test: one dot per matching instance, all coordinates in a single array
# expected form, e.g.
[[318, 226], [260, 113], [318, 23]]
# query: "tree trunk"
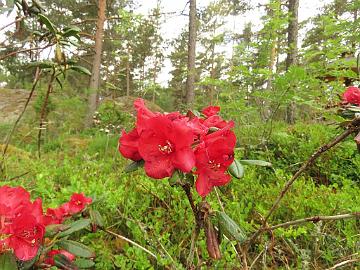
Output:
[[291, 58], [190, 81], [273, 56], [95, 73], [128, 72], [154, 80]]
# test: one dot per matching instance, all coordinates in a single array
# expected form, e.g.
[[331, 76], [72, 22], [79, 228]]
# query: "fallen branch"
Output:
[[343, 263], [314, 219], [354, 126], [130, 241]]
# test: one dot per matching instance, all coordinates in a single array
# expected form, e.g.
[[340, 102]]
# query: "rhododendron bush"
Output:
[[351, 107], [30, 236], [192, 150], [201, 146]]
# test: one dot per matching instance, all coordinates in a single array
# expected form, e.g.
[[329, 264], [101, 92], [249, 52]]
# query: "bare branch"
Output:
[[314, 219], [25, 50], [354, 126], [343, 263], [130, 241], [43, 110], [16, 21], [36, 80]]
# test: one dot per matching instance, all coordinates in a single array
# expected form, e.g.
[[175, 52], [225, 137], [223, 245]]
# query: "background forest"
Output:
[[70, 72]]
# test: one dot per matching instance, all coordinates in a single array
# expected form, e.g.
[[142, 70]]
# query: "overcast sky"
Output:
[[174, 23]]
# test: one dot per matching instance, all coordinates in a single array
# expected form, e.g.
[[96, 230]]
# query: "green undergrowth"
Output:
[[159, 218]]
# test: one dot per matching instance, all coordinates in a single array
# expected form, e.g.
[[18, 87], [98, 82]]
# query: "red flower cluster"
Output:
[[22, 222], [167, 142], [352, 95]]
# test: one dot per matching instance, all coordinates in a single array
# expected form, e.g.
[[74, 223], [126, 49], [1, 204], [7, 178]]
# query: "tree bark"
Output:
[[291, 58], [128, 72], [190, 81], [95, 72]]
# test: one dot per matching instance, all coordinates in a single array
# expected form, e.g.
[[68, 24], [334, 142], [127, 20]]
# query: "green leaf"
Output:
[[229, 228], [96, 217], [76, 226], [8, 261], [49, 25], [213, 129], [256, 162], [76, 248], [133, 166], [53, 229], [81, 69], [84, 263], [236, 169], [71, 32], [63, 262]]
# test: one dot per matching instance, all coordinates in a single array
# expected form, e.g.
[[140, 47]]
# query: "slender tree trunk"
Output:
[[95, 73], [190, 81], [212, 70], [154, 80], [291, 58], [128, 73], [272, 62]]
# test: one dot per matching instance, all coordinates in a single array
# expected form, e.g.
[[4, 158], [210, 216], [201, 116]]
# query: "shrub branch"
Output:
[[354, 126], [9, 137], [314, 219]]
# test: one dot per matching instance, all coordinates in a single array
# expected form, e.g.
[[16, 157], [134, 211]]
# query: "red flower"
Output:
[[128, 145], [27, 236], [15, 198], [143, 114], [210, 111], [213, 157], [77, 203], [49, 260], [352, 95], [54, 216], [214, 121], [165, 145]]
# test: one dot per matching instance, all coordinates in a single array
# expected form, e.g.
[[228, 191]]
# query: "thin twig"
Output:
[[25, 50], [314, 219], [343, 263], [243, 255], [18, 176], [43, 110], [130, 241], [187, 190], [354, 126], [17, 20], [197, 228], [218, 198], [223, 209], [194, 237], [255, 260], [8, 139]]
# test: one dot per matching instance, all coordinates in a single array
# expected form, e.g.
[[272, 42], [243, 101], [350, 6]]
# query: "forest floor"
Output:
[[158, 216]]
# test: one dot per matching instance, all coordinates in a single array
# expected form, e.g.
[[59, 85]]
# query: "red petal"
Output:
[[211, 110], [159, 168], [203, 186], [184, 159], [128, 145]]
